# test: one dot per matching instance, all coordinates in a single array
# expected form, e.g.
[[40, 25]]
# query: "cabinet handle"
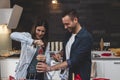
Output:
[[116, 62]]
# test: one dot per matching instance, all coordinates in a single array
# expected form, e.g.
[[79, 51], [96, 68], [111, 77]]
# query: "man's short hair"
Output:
[[72, 13]]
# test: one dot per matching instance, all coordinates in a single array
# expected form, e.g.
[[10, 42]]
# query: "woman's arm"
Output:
[[23, 37]]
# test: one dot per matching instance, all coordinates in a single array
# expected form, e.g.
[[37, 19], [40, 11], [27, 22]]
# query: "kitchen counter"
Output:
[[7, 67], [108, 58], [9, 54], [97, 55], [9, 58], [93, 53], [102, 62]]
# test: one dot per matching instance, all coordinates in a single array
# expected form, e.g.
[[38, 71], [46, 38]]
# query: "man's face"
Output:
[[69, 24]]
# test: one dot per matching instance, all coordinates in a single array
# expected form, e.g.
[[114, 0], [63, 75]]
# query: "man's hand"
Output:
[[42, 67], [57, 57]]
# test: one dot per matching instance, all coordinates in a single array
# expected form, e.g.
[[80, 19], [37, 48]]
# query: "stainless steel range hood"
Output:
[[9, 19], [4, 3], [5, 15], [10, 16]]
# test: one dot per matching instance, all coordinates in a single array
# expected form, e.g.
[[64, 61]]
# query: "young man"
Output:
[[77, 50]]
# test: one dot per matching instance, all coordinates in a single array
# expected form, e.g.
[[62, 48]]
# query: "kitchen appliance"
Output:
[[10, 16], [4, 3]]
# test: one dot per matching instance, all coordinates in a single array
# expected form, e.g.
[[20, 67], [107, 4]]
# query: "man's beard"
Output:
[[71, 29]]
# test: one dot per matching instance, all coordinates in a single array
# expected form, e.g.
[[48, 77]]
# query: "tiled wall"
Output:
[[100, 17]]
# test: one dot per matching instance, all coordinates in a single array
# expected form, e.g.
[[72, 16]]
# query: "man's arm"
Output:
[[42, 67], [57, 56]]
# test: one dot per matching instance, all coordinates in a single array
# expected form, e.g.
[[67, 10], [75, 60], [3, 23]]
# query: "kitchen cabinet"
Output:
[[7, 67], [112, 69], [108, 69], [99, 68], [104, 68]]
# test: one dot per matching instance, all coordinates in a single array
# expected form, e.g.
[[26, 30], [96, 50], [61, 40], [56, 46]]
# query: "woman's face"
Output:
[[40, 32]]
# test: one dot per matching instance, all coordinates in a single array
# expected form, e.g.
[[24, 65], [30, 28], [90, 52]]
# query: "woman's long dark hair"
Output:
[[40, 22]]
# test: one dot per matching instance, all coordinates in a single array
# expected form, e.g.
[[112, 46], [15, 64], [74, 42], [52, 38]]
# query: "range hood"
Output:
[[9, 19], [4, 3], [10, 16]]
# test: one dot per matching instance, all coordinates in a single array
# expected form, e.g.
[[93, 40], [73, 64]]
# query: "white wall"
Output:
[[5, 41]]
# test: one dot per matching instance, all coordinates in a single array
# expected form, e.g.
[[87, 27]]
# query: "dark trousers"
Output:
[[35, 76]]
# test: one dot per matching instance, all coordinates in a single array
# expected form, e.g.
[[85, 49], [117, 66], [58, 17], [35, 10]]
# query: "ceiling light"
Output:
[[54, 2]]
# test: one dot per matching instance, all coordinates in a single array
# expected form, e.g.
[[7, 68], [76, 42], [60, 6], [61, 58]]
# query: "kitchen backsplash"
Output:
[[5, 41]]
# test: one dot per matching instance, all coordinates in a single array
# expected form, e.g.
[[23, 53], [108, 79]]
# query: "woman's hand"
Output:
[[38, 43], [41, 57]]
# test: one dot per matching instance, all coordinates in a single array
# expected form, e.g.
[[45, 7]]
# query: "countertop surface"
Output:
[[100, 58], [95, 55], [108, 55], [110, 58], [1, 58]]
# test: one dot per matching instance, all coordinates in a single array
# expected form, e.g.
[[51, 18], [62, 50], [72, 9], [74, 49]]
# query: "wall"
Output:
[[5, 41], [100, 17]]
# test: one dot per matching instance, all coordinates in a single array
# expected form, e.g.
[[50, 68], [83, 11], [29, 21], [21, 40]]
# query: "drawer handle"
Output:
[[116, 62]]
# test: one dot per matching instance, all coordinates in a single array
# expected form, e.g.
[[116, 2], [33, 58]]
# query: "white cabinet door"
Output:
[[3, 67], [108, 69], [8, 67], [100, 68], [112, 69]]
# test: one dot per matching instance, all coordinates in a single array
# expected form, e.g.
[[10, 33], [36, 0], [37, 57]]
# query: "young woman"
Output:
[[30, 45]]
